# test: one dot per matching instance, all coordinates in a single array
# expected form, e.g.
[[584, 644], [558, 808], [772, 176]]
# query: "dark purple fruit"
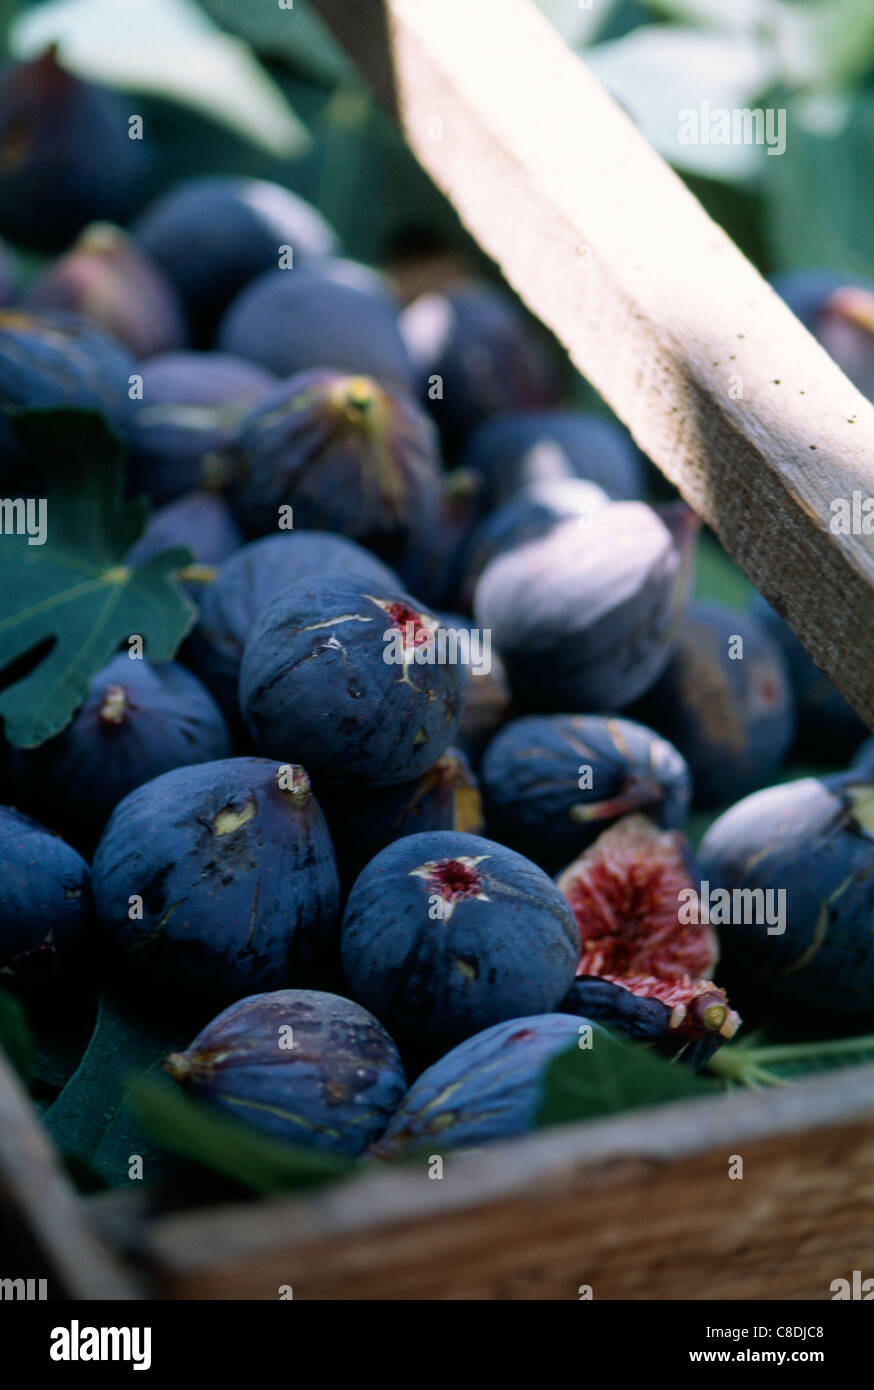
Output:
[[346, 454], [520, 448], [138, 721], [192, 403], [682, 1020], [65, 154], [216, 880], [487, 703], [363, 821], [489, 1087], [291, 321], [475, 354], [213, 235], [445, 934], [587, 619], [797, 865], [725, 700], [356, 676], [552, 783], [839, 311], [825, 719], [107, 279], [45, 900], [53, 359], [245, 584], [303, 1066], [202, 521]]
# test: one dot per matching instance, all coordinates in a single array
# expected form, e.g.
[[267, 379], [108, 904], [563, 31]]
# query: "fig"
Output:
[[216, 880], [346, 454], [519, 448], [489, 1087], [202, 521], [552, 783], [191, 405], [246, 583], [45, 901], [66, 158], [355, 676], [445, 934], [138, 721], [790, 871], [300, 1065], [586, 619], [107, 279], [472, 343], [725, 700], [292, 321], [684, 1019]]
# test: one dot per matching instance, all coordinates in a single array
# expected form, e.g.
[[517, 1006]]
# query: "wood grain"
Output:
[[639, 1207], [41, 1216], [653, 301]]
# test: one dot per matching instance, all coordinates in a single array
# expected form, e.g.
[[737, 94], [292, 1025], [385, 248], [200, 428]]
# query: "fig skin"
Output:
[[107, 279], [237, 877], [531, 782], [519, 448], [202, 521], [692, 1035], [295, 321], [489, 1087], [138, 722], [445, 934], [315, 681], [212, 235], [813, 839], [245, 584], [45, 901], [362, 822], [732, 719], [348, 454], [335, 1088], [588, 619]]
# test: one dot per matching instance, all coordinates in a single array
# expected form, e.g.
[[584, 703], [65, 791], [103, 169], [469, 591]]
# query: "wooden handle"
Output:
[[716, 379]]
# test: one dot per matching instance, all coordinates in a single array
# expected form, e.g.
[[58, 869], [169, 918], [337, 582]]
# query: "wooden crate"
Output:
[[662, 313]]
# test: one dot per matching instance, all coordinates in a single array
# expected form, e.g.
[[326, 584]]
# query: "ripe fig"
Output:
[[294, 321], [686, 1019], [825, 719], [553, 782], [725, 700], [214, 880], [138, 721], [445, 934], [191, 405], [483, 354], [303, 1066], [587, 620], [214, 234], [354, 675], [202, 521], [487, 1088], [246, 583], [66, 158], [796, 863], [45, 901], [346, 454], [514, 450], [362, 822]]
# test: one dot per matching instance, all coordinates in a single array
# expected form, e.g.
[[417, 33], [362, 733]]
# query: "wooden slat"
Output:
[[653, 301], [637, 1207], [43, 1214]]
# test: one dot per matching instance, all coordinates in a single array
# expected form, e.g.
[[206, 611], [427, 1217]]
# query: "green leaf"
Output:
[[297, 36], [819, 199], [72, 600], [717, 577], [755, 1065], [61, 1032], [219, 1142], [612, 1076], [15, 1039], [170, 48], [123, 1044]]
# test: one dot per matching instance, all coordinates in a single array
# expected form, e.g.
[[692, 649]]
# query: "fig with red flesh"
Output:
[[627, 892]]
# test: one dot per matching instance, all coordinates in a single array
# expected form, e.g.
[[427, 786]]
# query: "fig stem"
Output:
[[748, 1065], [197, 574]]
